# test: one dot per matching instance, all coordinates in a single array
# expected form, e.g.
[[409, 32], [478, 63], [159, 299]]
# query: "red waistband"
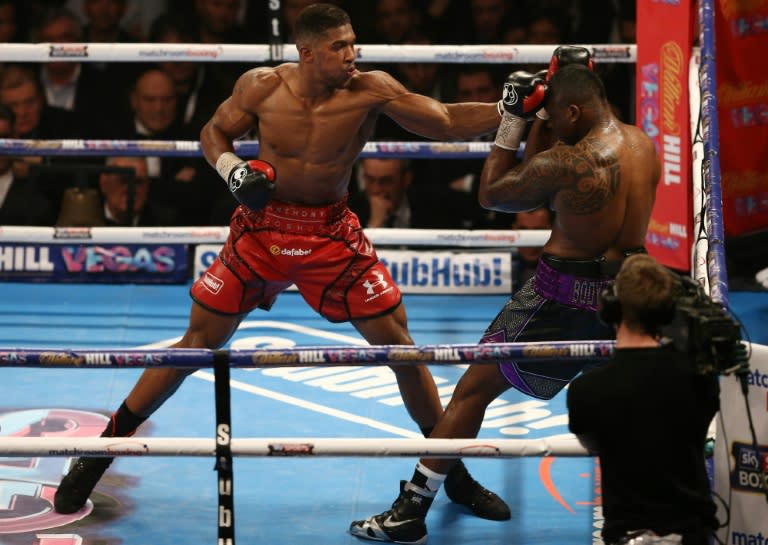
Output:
[[295, 218], [325, 214]]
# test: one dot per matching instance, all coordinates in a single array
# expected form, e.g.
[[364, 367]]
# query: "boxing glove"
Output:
[[522, 97], [564, 55], [569, 54], [251, 182]]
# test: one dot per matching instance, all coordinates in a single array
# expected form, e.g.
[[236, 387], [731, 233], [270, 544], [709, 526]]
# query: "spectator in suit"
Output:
[[21, 202], [390, 198], [185, 183], [77, 87], [198, 90], [473, 83], [147, 212], [20, 90], [152, 116]]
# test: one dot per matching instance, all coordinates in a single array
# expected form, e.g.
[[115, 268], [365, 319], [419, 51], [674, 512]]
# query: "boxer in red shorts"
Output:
[[313, 118]]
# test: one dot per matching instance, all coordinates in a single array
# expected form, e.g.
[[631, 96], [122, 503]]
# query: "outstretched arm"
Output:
[[430, 118]]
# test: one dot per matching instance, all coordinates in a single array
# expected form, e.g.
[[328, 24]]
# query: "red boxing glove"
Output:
[[569, 54], [251, 182]]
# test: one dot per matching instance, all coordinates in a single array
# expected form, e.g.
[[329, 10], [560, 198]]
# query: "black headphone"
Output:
[[609, 309]]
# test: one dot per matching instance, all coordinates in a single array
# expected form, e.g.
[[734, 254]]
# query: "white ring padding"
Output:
[[291, 446], [255, 53], [443, 238]]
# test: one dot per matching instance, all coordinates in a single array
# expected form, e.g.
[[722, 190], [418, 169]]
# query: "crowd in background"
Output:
[[173, 100]]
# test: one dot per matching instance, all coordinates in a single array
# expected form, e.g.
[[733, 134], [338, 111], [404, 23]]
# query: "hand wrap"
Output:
[[251, 182]]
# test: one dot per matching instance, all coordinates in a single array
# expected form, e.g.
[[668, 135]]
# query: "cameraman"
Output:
[[646, 413]]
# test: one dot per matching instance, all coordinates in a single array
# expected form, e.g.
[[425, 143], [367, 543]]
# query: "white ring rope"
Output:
[[291, 446], [462, 238], [154, 52]]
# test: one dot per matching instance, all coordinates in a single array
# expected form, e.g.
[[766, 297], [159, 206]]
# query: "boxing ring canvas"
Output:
[[159, 500]]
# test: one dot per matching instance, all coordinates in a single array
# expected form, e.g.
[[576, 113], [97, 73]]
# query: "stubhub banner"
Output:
[[139, 263], [433, 272]]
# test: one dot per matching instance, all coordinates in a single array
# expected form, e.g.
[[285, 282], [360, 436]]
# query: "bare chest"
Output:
[[290, 128]]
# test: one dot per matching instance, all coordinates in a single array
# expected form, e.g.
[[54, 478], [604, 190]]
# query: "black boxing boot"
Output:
[[403, 523], [77, 485], [85, 473], [461, 488]]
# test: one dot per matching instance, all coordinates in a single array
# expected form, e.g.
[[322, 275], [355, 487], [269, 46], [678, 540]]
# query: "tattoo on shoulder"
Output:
[[589, 176]]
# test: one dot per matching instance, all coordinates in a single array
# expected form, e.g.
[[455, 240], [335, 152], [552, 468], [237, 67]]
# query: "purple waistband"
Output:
[[567, 289]]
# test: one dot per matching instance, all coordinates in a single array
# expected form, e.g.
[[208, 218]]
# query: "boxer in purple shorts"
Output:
[[559, 301], [600, 179]]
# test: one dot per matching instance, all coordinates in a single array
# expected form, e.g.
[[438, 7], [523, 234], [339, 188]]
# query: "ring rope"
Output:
[[191, 148], [290, 446], [255, 53], [195, 358], [462, 238]]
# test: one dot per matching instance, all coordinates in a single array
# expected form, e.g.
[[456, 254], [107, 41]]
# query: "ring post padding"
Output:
[[224, 464]]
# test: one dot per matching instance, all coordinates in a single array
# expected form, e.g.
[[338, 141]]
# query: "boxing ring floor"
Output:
[[171, 500]]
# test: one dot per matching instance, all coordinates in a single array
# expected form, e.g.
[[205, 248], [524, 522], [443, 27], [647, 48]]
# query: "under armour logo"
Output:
[[369, 286], [236, 181], [509, 95]]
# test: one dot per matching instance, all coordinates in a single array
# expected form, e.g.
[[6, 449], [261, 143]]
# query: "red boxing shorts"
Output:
[[321, 249]]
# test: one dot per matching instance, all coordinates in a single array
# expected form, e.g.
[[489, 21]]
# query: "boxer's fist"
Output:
[[569, 54], [251, 182], [523, 94]]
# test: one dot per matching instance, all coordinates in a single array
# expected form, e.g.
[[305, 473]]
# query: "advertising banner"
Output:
[[741, 30], [103, 263], [434, 272], [664, 37], [740, 468]]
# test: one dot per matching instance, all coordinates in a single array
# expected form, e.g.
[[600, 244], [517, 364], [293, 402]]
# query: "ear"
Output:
[[574, 113], [305, 54]]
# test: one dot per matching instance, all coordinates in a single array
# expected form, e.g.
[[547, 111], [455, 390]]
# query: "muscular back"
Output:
[[606, 193], [602, 190]]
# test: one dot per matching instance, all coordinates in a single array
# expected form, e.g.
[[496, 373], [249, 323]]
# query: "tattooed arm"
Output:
[[585, 177]]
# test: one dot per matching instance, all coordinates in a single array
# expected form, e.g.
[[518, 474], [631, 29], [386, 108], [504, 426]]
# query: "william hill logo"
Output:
[[25, 259]]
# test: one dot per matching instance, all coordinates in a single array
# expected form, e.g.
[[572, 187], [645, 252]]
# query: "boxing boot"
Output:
[[77, 485], [85, 473], [403, 523], [461, 488]]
